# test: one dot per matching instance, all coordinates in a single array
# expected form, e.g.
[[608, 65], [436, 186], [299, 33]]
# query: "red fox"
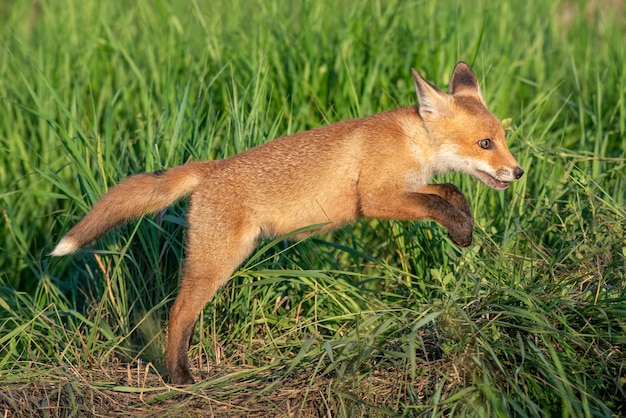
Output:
[[377, 166]]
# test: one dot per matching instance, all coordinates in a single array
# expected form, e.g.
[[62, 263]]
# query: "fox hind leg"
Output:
[[183, 316], [209, 263]]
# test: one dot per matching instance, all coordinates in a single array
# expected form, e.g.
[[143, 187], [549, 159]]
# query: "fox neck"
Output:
[[434, 156]]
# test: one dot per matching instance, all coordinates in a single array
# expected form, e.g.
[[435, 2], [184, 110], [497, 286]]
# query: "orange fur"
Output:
[[378, 166]]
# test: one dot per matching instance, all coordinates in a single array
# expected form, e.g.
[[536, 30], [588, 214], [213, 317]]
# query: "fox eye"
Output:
[[485, 143]]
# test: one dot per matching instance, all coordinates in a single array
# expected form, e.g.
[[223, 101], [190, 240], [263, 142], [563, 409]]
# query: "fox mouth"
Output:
[[491, 181]]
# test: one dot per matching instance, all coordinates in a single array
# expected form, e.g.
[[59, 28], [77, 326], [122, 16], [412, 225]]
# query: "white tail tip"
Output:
[[64, 247]]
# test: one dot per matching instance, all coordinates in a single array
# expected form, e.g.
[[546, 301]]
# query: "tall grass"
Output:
[[378, 318]]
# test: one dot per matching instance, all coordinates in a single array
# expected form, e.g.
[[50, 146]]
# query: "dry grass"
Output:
[[139, 390]]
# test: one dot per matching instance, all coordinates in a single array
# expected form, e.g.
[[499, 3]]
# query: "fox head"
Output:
[[465, 136]]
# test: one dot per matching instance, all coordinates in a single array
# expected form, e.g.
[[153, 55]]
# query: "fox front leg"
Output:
[[461, 232], [443, 203], [450, 211]]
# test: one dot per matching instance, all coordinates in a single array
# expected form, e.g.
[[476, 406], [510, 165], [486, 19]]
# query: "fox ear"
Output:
[[431, 99], [464, 81]]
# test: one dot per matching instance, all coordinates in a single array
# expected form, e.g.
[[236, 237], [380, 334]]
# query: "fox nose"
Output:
[[518, 172]]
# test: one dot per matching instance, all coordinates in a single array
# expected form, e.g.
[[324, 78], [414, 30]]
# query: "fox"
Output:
[[377, 166]]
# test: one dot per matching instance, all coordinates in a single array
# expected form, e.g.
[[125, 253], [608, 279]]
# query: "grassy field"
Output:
[[376, 319]]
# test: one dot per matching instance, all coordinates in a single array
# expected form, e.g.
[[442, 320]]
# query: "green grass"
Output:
[[376, 319]]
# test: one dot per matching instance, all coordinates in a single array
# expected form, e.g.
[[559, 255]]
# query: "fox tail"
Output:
[[134, 197]]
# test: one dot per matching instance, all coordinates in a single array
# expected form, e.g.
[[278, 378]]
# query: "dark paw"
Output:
[[454, 195], [181, 377], [462, 234], [464, 240]]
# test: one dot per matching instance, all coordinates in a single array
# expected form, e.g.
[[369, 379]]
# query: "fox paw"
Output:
[[181, 376], [455, 196], [462, 240], [462, 234]]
